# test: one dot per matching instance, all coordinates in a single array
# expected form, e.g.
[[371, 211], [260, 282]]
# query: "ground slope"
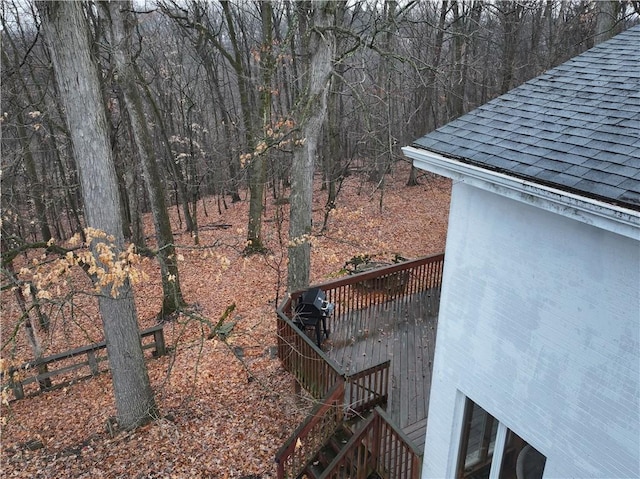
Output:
[[227, 405]]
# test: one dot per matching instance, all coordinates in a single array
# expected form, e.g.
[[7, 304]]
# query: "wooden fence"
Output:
[[89, 357]]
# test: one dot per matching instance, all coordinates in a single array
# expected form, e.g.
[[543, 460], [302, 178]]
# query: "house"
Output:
[[536, 369]]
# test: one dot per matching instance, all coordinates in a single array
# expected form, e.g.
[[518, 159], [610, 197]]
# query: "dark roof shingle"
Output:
[[576, 127]]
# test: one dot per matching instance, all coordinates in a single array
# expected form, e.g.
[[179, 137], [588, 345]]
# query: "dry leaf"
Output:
[[215, 423]]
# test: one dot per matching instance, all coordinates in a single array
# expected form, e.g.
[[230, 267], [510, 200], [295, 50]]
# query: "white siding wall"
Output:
[[539, 324]]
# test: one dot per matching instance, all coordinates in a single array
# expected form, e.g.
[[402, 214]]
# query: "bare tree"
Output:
[[607, 19], [121, 23], [257, 165], [203, 24], [310, 117], [67, 35]]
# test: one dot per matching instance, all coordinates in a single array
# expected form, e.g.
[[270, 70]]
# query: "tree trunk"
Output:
[[30, 167], [413, 177], [67, 35], [383, 155], [175, 170], [120, 38], [31, 333], [309, 118], [333, 169], [231, 145], [36, 184], [257, 167], [510, 18], [606, 20], [455, 97], [433, 105]]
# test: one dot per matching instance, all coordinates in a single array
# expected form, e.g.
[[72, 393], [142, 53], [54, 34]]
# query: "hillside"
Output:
[[226, 406]]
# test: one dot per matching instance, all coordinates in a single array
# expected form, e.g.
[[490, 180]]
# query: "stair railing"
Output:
[[377, 447], [312, 434]]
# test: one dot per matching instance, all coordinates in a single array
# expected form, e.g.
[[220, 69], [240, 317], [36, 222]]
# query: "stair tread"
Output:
[[327, 454], [339, 439]]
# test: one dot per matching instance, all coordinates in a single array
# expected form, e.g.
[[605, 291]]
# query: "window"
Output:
[[488, 450]]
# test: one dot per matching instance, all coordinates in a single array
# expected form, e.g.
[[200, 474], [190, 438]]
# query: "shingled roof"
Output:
[[575, 128]]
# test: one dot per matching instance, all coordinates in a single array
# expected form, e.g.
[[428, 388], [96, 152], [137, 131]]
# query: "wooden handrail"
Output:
[[377, 447], [430, 281], [397, 457], [367, 388], [313, 370], [354, 461], [379, 272], [43, 374], [312, 434], [373, 288]]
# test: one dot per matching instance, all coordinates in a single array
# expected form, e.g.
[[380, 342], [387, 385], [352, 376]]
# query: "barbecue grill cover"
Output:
[[311, 303]]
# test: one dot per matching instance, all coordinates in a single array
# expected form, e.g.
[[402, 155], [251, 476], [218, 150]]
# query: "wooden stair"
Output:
[[327, 453]]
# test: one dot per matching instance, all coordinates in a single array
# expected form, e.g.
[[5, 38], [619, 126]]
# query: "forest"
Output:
[[188, 163]]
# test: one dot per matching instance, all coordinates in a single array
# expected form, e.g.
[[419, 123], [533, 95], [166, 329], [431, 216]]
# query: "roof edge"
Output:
[[609, 217]]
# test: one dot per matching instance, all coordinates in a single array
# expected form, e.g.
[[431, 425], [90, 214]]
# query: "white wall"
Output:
[[539, 324]]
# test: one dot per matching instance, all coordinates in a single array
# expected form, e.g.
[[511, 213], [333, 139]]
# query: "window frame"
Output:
[[491, 449]]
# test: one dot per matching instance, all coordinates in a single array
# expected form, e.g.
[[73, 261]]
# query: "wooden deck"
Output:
[[403, 332], [383, 330]]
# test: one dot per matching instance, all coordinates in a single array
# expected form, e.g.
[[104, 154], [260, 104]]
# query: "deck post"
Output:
[[415, 467], [375, 452]]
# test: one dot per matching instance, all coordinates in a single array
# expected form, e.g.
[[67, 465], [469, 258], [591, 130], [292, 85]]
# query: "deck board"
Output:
[[416, 432], [403, 332]]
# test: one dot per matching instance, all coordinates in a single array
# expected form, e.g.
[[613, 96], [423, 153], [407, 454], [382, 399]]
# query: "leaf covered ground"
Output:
[[226, 406]]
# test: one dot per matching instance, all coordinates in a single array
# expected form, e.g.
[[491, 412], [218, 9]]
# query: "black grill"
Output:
[[312, 311]]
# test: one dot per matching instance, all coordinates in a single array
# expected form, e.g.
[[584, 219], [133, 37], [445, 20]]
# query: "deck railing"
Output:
[[313, 369], [377, 447], [367, 389], [383, 286], [312, 434], [304, 359]]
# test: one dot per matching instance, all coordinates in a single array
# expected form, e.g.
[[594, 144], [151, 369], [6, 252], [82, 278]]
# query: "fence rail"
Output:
[[88, 357]]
